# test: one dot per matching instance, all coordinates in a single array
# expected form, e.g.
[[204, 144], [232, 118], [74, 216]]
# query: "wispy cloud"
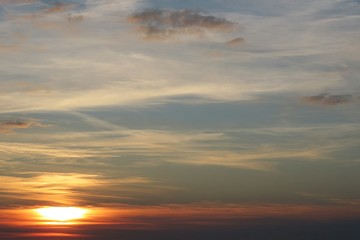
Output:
[[268, 64], [48, 188], [261, 159], [332, 199], [105, 68], [67, 188], [31, 149], [201, 148], [166, 24]]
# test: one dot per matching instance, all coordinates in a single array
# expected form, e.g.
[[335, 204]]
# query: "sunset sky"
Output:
[[180, 119]]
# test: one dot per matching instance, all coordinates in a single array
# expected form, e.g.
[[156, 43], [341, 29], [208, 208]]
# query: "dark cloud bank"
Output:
[[329, 99]]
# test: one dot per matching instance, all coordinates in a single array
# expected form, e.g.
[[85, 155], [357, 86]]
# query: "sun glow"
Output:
[[62, 214]]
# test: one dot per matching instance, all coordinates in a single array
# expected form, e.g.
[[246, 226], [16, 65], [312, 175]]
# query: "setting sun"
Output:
[[61, 213]]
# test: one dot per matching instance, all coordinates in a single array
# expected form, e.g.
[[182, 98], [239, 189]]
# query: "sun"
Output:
[[61, 214]]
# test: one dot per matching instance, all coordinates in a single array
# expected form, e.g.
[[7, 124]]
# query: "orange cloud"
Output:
[[66, 188], [50, 188]]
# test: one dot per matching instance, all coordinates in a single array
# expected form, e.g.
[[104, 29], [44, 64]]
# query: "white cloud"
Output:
[[104, 63]]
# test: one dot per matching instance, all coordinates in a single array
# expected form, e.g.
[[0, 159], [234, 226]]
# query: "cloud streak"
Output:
[[50, 188], [67, 188], [258, 159], [31, 149]]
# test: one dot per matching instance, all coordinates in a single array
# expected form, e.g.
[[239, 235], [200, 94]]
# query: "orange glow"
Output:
[[61, 214], [165, 216]]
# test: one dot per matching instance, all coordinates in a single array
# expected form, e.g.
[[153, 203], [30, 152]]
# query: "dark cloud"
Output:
[[235, 42], [328, 99], [163, 24], [75, 18], [11, 125]]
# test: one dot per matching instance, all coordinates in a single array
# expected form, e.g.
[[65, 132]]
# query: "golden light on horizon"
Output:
[[61, 214]]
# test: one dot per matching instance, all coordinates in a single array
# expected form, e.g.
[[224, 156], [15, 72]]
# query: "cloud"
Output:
[[102, 49], [75, 18], [59, 7], [165, 24], [11, 125], [17, 1], [42, 14], [9, 48], [34, 188], [260, 159], [47, 151], [47, 187], [189, 221], [212, 214], [328, 99], [235, 42]]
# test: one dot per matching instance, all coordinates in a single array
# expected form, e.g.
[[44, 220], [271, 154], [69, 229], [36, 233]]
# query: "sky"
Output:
[[180, 119]]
